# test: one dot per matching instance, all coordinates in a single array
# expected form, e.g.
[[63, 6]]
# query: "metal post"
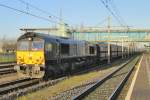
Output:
[[135, 48], [132, 48], [122, 48], [128, 50], [108, 52], [117, 48], [109, 40]]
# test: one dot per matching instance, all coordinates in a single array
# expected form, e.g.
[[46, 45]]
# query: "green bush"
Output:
[[7, 57]]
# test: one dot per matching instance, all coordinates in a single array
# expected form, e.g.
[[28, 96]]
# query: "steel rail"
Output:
[[15, 85], [8, 65], [120, 86]]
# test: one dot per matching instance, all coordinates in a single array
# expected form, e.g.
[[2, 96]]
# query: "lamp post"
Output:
[[109, 37]]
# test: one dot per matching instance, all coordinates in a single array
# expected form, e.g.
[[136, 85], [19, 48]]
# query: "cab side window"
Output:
[[48, 47], [48, 50], [64, 49]]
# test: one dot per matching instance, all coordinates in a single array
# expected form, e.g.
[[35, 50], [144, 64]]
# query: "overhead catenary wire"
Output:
[[107, 7], [113, 6], [26, 12], [105, 3], [39, 9]]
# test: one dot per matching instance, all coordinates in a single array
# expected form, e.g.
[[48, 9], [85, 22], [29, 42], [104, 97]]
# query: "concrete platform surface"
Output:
[[141, 88]]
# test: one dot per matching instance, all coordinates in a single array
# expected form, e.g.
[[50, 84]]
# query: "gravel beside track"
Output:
[[124, 91]]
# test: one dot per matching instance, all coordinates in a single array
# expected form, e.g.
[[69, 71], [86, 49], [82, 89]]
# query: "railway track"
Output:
[[7, 65], [17, 84], [7, 71], [14, 89], [22, 87], [83, 90], [38, 86], [108, 87], [7, 68]]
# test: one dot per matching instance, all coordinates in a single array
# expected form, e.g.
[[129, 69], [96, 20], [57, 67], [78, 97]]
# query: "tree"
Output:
[[9, 47]]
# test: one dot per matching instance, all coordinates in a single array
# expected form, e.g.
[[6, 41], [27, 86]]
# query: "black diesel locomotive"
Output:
[[42, 55]]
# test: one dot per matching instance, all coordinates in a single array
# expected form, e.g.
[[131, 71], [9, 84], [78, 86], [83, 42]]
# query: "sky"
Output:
[[74, 12]]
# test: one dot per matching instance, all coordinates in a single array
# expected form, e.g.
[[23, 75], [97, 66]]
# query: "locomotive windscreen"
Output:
[[37, 45], [23, 45], [26, 45]]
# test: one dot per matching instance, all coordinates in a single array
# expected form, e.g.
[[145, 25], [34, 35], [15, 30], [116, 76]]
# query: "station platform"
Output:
[[141, 82]]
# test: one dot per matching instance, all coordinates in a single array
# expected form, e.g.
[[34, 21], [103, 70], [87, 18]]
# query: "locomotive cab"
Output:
[[30, 56]]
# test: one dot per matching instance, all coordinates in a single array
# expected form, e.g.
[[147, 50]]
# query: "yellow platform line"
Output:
[[128, 96]]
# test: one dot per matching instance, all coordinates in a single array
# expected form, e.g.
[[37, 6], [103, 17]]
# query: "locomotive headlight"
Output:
[[29, 38]]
